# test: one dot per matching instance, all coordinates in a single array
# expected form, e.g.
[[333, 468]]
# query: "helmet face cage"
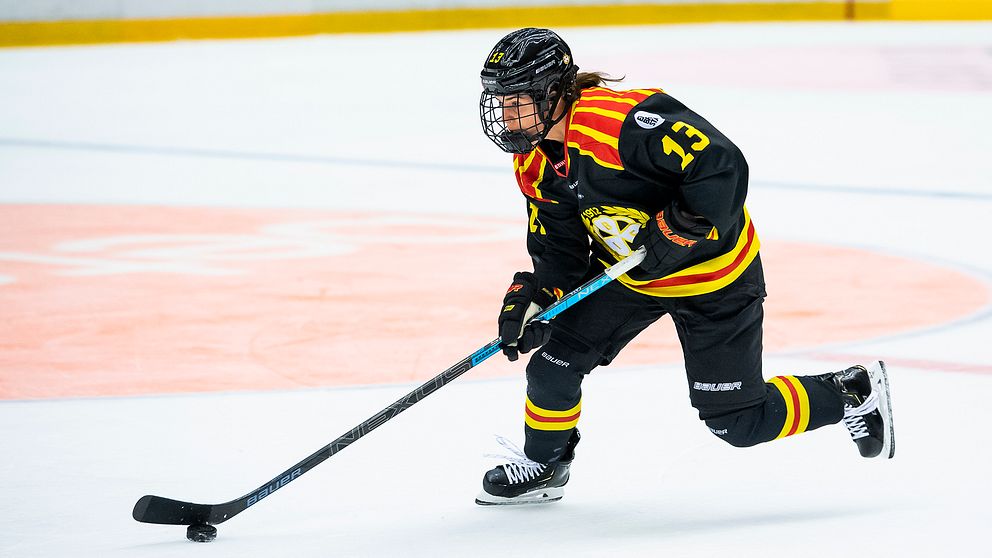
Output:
[[528, 73], [517, 122]]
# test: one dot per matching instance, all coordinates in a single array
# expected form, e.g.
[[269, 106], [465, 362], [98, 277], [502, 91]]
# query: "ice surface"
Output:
[[865, 136]]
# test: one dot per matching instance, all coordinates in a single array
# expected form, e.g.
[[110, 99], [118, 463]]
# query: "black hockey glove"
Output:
[[523, 301], [669, 238]]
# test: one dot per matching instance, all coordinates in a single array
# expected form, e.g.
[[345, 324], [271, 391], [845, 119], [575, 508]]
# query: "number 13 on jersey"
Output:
[[670, 146]]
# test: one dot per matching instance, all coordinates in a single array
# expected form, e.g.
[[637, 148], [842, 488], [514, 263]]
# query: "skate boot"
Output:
[[522, 481], [867, 408]]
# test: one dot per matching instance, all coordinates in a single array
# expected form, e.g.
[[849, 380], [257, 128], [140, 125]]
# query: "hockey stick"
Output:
[[156, 509]]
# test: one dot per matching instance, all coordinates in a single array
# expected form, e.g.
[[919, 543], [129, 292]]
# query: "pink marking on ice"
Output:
[[905, 68], [130, 300]]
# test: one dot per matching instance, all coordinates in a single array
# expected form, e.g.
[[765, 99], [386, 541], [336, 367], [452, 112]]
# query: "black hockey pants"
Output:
[[720, 334]]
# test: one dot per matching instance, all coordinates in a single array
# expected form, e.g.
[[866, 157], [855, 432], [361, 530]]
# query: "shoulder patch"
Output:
[[648, 120]]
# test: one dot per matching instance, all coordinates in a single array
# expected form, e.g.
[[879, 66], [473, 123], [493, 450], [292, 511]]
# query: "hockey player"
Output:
[[628, 169]]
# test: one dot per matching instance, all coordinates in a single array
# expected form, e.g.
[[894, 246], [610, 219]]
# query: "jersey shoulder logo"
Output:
[[648, 120]]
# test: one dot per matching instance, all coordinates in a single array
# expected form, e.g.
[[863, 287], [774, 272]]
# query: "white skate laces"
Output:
[[854, 417], [518, 467]]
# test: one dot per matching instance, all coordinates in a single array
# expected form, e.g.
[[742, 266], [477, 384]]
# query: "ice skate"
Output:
[[522, 481], [867, 408]]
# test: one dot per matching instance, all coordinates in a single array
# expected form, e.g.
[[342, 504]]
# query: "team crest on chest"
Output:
[[614, 227]]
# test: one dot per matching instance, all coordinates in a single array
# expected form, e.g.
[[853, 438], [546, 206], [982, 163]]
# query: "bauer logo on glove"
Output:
[[669, 238]]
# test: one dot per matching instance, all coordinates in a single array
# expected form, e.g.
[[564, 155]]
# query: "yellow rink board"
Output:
[[40, 33]]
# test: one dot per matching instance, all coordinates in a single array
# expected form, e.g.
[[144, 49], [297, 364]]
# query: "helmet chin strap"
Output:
[[562, 102], [553, 121]]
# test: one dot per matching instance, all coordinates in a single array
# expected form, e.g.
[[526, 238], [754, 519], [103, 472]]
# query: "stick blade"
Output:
[[164, 511]]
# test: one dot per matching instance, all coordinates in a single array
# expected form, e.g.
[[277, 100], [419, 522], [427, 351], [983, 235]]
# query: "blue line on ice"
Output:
[[171, 151]]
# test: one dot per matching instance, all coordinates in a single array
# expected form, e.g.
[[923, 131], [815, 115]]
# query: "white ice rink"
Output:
[[866, 136]]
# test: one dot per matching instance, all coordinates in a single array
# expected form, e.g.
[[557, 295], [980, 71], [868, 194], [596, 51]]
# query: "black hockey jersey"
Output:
[[628, 155]]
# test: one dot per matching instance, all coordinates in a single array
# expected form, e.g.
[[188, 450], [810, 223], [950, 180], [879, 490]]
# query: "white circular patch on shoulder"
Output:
[[648, 120]]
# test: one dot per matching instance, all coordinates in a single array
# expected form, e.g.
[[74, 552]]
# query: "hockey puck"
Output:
[[201, 533]]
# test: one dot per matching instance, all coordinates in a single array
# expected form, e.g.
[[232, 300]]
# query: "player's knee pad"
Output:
[[738, 428]]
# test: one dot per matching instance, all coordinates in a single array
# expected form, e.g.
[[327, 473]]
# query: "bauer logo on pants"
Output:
[[726, 386], [555, 360]]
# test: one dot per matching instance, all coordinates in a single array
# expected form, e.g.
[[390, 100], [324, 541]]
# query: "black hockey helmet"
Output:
[[524, 78]]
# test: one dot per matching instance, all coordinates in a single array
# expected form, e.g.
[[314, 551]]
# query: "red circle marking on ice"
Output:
[[102, 301]]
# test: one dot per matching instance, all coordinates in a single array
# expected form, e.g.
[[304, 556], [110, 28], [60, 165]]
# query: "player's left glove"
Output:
[[524, 300], [669, 238]]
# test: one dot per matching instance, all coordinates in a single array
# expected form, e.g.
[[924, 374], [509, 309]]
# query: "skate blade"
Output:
[[880, 380], [544, 496]]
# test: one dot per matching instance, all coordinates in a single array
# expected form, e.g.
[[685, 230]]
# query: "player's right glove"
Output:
[[524, 300], [669, 238]]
